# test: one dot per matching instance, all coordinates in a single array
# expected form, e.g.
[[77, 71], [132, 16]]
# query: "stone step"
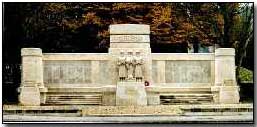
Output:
[[86, 102], [171, 102], [169, 99], [182, 90], [75, 102], [186, 99], [71, 95], [93, 99], [74, 97], [186, 94], [186, 103]]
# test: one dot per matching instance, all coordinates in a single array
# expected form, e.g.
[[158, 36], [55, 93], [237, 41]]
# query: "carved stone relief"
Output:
[[130, 67]]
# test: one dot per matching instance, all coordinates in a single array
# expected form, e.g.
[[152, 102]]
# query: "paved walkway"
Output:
[[244, 118]]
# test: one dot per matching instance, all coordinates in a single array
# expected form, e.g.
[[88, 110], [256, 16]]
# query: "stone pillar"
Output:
[[32, 76], [95, 72], [225, 77], [161, 71]]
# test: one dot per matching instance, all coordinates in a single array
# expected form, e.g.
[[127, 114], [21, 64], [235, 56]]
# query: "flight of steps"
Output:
[[194, 96], [70, 99], [168, 99]]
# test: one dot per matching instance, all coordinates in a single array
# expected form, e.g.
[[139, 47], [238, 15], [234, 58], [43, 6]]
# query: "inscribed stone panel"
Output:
[[67, 72], [188, 71]]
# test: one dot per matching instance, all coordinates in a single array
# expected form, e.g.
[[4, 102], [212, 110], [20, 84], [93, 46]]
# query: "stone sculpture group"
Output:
[[130, 67]]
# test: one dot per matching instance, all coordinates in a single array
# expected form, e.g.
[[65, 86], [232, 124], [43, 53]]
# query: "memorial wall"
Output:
[[129, 74]]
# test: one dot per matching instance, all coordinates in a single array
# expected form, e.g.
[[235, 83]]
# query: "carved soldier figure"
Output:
[[138, 60], [130, 65], [122, 66]]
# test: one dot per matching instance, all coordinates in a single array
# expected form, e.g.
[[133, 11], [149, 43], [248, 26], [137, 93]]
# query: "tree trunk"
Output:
[[242, 54]]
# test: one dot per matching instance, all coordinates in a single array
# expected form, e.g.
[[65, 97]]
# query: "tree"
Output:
[[245, 34], [228, 12]]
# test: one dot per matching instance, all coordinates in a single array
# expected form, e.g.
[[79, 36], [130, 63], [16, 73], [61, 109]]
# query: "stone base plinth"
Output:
[[130, 94], [29, 96], [229, 95]]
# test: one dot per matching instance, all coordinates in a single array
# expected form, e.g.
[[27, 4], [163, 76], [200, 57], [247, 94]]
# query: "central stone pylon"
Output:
[[131, 62]]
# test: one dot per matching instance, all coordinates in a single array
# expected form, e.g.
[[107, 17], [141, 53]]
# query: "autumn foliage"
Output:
[[170, 22], [83, 27]]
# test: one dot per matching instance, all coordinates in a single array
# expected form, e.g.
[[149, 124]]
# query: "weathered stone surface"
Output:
[[130, 94], [224, 65], [153, 98], [75, 56], [229, 82], [225, 52], [31, 52], [229, 95], [109, 95], [29, 94], [129, 45], [104, 73], [32, 69], [130, 110], [69, 72], [186, 71], [32, 76], [154, 71], [129, 29], [171, 68], [183, 56]]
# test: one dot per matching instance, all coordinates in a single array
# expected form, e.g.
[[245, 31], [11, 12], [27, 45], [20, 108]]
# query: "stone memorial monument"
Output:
[[117, 78]]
